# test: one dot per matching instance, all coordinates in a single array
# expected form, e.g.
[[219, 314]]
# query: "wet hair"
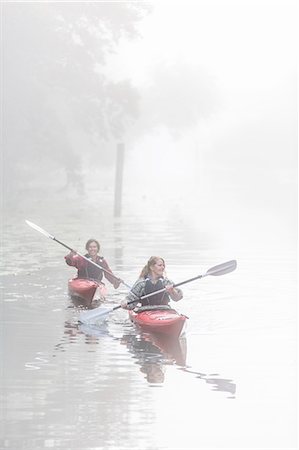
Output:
[[90, 241], [147, 268]]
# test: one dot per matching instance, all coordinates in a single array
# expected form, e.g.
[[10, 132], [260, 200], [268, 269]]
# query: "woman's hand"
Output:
[[117, 282], [170, 289], [124, 304], [175, 294]]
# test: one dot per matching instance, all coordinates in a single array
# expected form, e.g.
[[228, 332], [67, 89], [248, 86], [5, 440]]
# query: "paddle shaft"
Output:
[[162, 290], [174, 285], [91, 262], [221, 269], [45, 233]]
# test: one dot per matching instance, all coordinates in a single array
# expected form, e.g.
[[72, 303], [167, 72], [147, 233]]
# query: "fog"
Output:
[[203, 98], [202, 94]]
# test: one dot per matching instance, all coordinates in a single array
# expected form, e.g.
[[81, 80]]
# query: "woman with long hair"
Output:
[[151, 279]]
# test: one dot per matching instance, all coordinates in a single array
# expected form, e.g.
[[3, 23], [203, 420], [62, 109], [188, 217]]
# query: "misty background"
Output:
[[202, 95]]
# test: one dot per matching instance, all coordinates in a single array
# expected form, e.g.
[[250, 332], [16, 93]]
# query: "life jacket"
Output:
[[159, 299], [90, 271]]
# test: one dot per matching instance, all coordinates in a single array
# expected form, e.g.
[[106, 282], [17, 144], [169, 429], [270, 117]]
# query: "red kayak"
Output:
[[86, 289], [159, 319]]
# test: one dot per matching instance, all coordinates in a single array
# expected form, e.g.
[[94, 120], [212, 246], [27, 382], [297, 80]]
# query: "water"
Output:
[[229, 383]]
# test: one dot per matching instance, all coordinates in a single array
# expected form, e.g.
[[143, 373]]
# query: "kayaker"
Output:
[[87, 270], [151, 279]]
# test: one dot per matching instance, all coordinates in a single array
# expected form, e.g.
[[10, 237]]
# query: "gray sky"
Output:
[[209, 89], [236, 61]]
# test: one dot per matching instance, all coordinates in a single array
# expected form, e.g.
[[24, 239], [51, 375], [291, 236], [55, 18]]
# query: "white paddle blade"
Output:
[[95, 315], [223, 268], [37, 228], [91, 329]]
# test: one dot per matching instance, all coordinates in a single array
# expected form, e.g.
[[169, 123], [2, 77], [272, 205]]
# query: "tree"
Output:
[[58, 104]]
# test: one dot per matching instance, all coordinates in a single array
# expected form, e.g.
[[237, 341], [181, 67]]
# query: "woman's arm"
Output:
[[175, 294], [110, 276], [135, 293], [72, 259]]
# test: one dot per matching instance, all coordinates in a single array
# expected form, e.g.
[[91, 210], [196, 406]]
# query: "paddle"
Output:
[[45, 233], [100, 313]]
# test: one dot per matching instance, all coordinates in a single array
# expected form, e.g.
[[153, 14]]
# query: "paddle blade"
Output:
[[94, 330], [37, 228], [95, 315], [223, 268]]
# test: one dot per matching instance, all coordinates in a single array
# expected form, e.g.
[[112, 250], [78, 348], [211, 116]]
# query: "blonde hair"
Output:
[[147, 268]]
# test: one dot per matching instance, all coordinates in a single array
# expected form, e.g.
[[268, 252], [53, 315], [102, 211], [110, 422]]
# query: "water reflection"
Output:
[[73, 386], [74, 330], [219, 384], [153, 353], [81, 303], [93, 331]]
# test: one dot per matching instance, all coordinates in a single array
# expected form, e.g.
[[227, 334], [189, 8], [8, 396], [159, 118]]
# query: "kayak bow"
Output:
[[86, 289], [159, 319]]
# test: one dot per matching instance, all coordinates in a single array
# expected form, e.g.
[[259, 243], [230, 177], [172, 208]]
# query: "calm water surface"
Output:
[[229, 383]]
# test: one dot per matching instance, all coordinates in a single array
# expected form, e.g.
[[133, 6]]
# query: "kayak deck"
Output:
[[159, 319], [86, 289]]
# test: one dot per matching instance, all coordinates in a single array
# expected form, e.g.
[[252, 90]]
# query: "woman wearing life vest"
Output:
[[152, 279], [88, 270]]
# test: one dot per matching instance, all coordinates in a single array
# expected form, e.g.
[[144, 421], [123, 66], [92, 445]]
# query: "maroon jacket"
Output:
[[88, 270]]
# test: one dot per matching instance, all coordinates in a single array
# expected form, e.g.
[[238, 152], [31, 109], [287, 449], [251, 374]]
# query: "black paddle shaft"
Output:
[[161, 290], [64, 245], [188, 281], [91, 262], [45, 233], [221, 269]]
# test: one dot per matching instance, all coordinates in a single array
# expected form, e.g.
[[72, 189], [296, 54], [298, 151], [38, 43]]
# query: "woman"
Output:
[[88, 270], [152, 279]]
